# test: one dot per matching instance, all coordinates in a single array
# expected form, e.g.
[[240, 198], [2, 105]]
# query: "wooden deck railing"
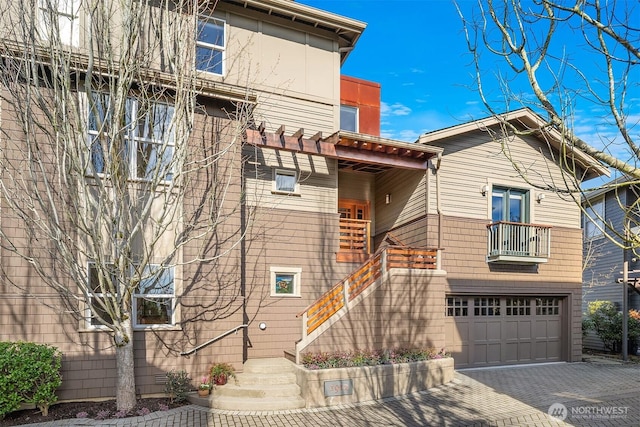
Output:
[[355, 235], [321, 310], [401, 257]]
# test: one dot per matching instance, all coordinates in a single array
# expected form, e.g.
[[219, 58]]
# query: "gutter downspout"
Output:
[[439, 212]]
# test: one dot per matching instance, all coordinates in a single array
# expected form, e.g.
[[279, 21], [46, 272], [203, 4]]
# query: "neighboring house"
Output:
[[349, 240], [603, 259]]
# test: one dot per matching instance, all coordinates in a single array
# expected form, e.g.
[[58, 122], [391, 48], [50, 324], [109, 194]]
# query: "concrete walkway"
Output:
[[584, 394]]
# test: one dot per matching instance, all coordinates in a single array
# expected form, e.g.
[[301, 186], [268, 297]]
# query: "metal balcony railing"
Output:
[[517, 242]]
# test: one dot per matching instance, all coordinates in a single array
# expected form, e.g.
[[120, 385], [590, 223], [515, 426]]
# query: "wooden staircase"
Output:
[[264, 385], [337, 301]]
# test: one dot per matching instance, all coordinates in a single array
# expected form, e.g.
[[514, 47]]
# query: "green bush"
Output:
[[178, 385], [29, 373], [606, 321]]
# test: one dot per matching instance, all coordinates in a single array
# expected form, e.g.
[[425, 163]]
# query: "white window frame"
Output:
[[593, 219], [166, 141], [295, 273], [64, 11], [211, 46], [88, 312], [151, 296], [135, 297], [351, 109], [288, 173]]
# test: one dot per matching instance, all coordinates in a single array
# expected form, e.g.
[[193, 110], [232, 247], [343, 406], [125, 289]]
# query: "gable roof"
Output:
[[528, 119]]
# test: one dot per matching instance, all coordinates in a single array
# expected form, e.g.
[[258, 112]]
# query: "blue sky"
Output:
[[417, 51]]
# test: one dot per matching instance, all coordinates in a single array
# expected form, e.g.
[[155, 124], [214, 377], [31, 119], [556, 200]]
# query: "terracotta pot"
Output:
[[203, 393], [220, 379]]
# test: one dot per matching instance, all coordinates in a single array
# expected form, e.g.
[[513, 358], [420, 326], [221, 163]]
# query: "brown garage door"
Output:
[[502, 330]]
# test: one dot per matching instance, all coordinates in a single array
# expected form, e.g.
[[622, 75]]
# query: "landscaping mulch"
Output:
[[94, 410]]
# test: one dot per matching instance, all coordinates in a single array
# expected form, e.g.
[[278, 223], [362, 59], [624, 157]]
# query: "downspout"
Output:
[[439, 211]]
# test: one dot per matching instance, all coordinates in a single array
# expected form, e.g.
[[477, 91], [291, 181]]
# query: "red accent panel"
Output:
[[365, 95]]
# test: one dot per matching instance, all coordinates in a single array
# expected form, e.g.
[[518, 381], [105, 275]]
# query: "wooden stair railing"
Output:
[[321, 310]]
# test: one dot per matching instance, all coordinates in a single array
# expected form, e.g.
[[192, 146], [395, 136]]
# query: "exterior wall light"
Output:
[[262, 326]]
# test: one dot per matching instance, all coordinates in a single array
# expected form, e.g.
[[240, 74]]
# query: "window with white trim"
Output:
[[593, 219], [147, 145], [285, 181], [210, 45], [285, 281], [154, 298], [101, 288], [349, 118], [59, 21]]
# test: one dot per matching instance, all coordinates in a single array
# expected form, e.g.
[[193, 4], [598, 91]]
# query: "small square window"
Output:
[[285, 182], [285, 281], [349, 118], [457, 307]]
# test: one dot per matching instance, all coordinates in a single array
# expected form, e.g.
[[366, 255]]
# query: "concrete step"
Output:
[[249, 379], [265, 404], [268, 366], [263, 385], [257, 390]]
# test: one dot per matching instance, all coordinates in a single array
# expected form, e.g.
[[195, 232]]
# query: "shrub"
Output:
[[29, 373], [606, 321], [355, 358], [178, 385]]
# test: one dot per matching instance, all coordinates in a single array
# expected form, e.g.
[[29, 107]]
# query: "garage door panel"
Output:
[[524, 329], [515, 332]]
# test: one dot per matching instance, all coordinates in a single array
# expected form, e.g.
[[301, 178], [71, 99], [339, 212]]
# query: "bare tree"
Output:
[[560, 59], [104, 183]]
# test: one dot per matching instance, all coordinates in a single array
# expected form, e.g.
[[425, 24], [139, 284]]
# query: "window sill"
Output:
[[286, 193], [285, 296], [137, 328]]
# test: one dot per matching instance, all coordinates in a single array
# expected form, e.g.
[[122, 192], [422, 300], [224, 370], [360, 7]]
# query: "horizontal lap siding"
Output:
[[603, 265], [407, 311], [317, 190], [472, 161], [285, 238], [407, 191]]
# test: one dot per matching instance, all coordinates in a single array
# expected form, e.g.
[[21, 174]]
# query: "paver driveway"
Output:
[[592, 394]]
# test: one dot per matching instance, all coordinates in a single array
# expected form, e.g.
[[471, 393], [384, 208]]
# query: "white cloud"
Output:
[[395, 109]]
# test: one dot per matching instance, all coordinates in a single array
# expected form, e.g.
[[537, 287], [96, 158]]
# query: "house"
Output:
[[327, 237], [603, 259]]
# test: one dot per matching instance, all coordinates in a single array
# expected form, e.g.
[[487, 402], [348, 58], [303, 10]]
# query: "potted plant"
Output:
[[221, 372], [205, 387]]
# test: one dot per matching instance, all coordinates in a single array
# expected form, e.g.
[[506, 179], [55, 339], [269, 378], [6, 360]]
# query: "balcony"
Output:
[[510, 242], [355, 235]]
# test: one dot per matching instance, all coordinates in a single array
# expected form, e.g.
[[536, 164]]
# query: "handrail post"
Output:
[[345, 292], [305, 319], [438, 259]]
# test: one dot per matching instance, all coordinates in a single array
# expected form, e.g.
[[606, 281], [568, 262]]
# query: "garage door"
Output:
[[502, 330]]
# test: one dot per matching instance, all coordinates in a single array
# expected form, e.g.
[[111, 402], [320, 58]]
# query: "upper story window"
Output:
[[59, 21], [509, 204], [147, 144], [349, 118], [210, 45], [593, 219], [285, 181]]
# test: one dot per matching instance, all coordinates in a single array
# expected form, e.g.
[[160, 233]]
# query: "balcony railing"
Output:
[[354, 235], [519, 243]]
